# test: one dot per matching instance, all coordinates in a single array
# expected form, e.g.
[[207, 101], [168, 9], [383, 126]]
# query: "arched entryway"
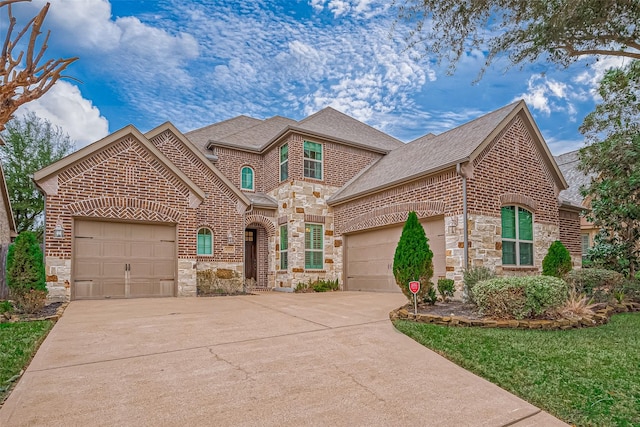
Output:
[[256, 256]]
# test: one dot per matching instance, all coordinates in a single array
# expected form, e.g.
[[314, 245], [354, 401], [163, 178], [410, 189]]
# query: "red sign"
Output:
[[414, 287]]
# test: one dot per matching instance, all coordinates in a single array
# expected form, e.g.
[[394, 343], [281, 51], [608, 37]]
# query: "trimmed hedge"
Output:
[[595, 283], [520, 297]]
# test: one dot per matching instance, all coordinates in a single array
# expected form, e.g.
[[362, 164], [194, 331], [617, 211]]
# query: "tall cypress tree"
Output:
[[25, 265], [413, 259]]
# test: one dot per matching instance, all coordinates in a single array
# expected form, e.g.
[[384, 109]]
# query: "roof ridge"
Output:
[[221, 122]]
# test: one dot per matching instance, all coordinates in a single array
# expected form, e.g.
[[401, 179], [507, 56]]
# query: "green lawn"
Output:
[[18, 343], [586, 377]]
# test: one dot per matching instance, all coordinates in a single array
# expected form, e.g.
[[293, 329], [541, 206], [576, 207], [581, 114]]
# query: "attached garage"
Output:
[[123, 260], [369, 256]]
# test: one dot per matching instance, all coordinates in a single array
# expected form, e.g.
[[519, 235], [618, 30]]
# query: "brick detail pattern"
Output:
[[124, 208], [265, 223], [318, 219], [394, 214], [518, 199]]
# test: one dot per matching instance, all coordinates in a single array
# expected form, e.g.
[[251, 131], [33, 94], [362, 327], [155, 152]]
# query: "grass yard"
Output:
[[586, 377], [18, 343]]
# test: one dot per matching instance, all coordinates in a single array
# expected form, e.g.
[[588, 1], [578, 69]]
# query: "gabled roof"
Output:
[[262, 200], [201, 137], [257, 136], [337, 125], [86, 152], [170, 127], [568, 164], [430, 154]]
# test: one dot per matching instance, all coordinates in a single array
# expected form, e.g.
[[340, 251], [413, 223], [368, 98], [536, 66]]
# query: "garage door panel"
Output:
[[103, 250], [369, 256]]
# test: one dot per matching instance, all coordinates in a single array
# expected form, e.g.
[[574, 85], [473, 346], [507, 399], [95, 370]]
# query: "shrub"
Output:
[[557, 262], [629, 289], [472, 276], [320, 285], [32, 301], [430, 296], [25, 270], [6, 307], [446, 288], [520, 297], [595, 283], [413, 259], [577, 305]]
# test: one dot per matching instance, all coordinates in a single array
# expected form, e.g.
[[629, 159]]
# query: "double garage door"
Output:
[[123, 260], [369, 256]]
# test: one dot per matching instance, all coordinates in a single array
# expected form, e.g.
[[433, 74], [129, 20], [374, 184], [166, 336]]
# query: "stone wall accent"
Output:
[[60, 270], [187, 277], [600, 317], [226, 276]]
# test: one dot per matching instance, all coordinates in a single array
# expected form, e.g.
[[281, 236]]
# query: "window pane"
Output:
[[313, 260], [247, 178], [585, 244], [508, 222], [204, 242], [313, 241], [284, 153], [284, 240], [508, 253], [526, 253], [284, 171], [312, 150], [525, 224], [284, 260], [312, 169]]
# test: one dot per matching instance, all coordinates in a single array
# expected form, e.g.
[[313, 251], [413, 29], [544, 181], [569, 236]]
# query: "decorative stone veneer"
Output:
[[187, 277], [58, 273], [302, 202]]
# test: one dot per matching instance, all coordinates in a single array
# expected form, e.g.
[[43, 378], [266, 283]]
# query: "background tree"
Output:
[[22, 77], [413, 259], [561, 31], [31, 144], [613, 157]]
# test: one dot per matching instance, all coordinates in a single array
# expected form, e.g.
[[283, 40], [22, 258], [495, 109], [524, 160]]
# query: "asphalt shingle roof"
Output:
[[426, 154], [256, 137], [201, 137], [568, 165]]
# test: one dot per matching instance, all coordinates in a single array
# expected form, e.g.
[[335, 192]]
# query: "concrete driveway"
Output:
[[265, 360]]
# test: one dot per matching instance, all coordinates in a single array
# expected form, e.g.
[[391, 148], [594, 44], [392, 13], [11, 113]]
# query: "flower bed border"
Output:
[[600, 317], [12, 318]]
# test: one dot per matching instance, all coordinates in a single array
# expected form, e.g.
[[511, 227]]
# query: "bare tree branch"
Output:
[[23, 82]]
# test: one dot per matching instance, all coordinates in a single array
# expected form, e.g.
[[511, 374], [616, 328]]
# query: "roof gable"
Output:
[[54, 169], [201, 137], [168, 126], [256, 137], [431, 154]]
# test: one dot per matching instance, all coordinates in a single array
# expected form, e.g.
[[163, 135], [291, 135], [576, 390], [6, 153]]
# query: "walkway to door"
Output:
[[270, 360]]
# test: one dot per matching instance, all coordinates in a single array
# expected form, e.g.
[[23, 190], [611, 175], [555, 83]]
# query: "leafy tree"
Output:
[[413, 259], [613, 158], [557, 262], [25, 265], [560, 31], [31, 144]]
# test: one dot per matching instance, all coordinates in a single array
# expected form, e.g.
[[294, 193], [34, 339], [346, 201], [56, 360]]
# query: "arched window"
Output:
[[517, 236], [205, 242], [247, 178]]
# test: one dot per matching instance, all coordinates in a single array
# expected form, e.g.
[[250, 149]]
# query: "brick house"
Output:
[[271, 203]]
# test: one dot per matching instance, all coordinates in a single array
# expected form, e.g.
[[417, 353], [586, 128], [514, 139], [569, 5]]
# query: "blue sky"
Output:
[[196, 62]]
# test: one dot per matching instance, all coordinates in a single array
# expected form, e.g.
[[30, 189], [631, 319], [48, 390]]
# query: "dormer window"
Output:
[[247, 178]]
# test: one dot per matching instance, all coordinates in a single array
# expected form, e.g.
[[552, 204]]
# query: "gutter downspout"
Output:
[[465, 217]]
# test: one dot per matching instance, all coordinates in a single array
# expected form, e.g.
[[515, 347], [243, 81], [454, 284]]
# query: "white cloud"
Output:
[[357, 8], [560, 146], [591, 77], [64, 106], [548, 95]]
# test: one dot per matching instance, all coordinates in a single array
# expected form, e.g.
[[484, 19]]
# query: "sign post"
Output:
[[414, 287]]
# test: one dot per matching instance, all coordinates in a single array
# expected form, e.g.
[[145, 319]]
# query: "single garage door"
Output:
[[369, 256], [123, 260]]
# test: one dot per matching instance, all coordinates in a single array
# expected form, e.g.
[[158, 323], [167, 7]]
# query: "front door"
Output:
[[250, 254]]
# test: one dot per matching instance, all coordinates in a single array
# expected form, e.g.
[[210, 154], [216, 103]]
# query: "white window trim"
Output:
[[313, 160], [518, 240]]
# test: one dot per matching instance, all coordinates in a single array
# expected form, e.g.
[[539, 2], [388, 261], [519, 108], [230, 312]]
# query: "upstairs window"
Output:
[[313, 242], [312, 160], [284, 247], [284, 162], [205, 242], [247, 178], [517, 236]]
